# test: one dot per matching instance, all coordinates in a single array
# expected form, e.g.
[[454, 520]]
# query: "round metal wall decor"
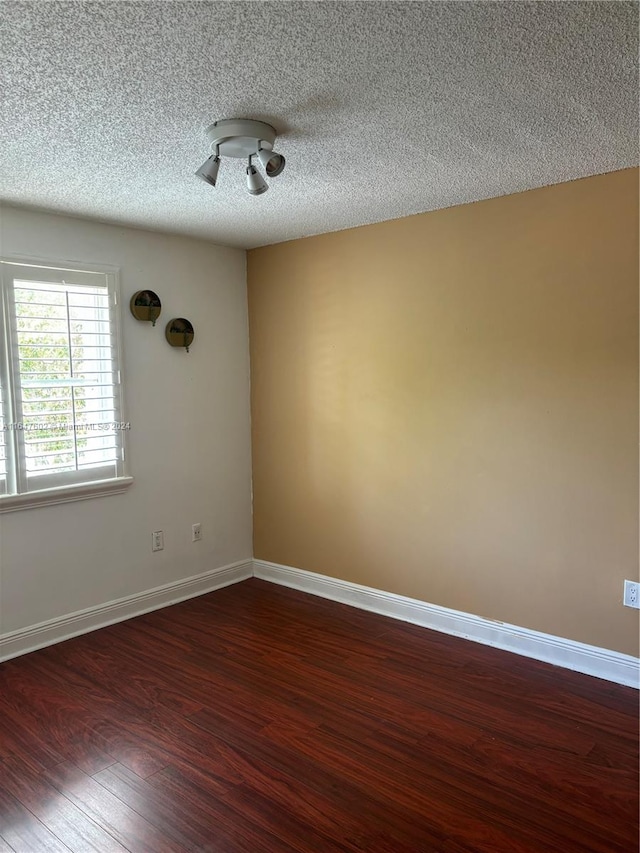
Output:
[[179, 333], [145, 305]]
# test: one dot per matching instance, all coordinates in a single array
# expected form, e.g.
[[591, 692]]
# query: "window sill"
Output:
[[65, 494]]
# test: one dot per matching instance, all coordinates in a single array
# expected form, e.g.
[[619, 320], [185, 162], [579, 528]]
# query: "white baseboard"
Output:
[[580, 657], [63, 628]]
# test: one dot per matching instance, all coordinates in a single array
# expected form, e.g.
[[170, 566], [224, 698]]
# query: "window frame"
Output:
[[60, 488]]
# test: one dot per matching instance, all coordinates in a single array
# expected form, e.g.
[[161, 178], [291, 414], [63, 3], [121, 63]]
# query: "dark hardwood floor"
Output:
[[261, 719]]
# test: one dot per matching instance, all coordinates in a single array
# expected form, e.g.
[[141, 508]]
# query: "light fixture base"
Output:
[[240, 137]]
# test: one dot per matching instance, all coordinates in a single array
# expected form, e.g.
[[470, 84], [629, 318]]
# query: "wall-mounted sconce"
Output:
[[179, 333], [145, 305]]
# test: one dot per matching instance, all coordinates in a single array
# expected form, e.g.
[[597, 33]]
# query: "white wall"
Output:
[[189, 443]]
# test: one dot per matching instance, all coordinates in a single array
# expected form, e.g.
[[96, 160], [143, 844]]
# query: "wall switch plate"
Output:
[[196, 532], [631, 594], [157, 541]]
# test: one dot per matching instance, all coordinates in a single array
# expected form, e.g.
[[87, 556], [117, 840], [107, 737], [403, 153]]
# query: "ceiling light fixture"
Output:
[[209, 170], [256, 184], [243, 138], [273, 163]]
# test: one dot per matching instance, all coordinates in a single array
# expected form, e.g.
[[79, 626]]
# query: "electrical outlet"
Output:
[[157, 541], [196, 532], [632, 594]]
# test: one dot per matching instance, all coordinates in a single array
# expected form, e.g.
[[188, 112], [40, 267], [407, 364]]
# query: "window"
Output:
[[62, 426]]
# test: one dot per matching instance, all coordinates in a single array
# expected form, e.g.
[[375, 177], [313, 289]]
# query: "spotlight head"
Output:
[[256, 184], [273, 163], [209, 171]]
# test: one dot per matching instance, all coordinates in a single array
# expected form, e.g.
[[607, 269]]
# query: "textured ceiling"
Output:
[[384, 109]]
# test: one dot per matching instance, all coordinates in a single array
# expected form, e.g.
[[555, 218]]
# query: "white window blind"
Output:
[[62, 418]]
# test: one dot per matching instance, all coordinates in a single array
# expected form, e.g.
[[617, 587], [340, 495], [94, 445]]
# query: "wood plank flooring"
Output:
[[261, 719]]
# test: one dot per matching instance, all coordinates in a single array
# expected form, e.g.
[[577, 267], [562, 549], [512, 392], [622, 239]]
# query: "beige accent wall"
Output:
[[446, 406]]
